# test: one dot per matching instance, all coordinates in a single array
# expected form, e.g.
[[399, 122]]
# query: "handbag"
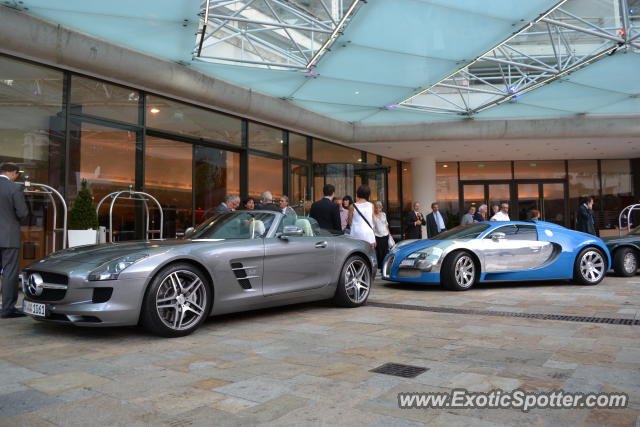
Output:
[[392, 242]]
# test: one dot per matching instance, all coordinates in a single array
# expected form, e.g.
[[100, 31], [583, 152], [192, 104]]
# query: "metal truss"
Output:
[[558, 42], [289, 34]]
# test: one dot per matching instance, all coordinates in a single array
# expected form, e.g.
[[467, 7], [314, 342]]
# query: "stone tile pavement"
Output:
[[309, 365]]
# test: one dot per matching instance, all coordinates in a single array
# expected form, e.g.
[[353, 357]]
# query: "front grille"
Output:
[[409, 272], [386, 268], [48, 294]]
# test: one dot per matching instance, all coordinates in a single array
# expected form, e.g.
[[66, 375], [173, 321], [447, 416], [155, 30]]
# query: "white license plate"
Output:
[[407, 263], [34, 308]]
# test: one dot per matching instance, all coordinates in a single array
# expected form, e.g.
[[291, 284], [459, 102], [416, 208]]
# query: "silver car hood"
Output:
[[99, 254]]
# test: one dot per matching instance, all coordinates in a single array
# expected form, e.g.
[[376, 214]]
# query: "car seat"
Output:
[[305, 226]]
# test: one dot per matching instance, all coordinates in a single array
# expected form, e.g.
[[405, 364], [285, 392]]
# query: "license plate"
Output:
[[34, 308], [407, 263]]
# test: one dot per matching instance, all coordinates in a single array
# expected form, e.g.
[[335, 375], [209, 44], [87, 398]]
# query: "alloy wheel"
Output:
[[592, 266], [465, 271], [181, 300], [630, 263], [357, 281]]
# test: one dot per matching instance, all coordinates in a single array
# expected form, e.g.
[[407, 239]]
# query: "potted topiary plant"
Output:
[[83, 219]]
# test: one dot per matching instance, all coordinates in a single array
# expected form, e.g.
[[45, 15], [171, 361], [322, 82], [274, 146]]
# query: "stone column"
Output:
[[423, 184]]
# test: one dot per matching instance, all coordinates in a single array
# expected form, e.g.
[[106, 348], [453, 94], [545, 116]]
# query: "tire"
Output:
[[354, 285], [177, 301], [625, 262], [459, 271], [590, 267]]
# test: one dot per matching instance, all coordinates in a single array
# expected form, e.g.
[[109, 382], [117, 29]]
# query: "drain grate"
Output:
[[450, 310], [400, 370]]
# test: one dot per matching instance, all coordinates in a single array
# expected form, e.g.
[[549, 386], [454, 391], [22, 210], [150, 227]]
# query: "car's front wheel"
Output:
[[177, 301], [625, 262], [590, 267], [459, 272], [355, 283]]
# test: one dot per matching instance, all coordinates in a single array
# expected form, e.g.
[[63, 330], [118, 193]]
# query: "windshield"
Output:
[[469, 231], [235, 225]]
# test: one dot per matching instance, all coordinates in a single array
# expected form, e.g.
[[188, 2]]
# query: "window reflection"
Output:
[[265, 174], [105, 157], [217, 174], [97, 98], [168, 176], [485, 170], [447, 189], [297, 146], [542, 169], [326, 152], [617, 190], [185, 119], [583, 182], [265, 138]]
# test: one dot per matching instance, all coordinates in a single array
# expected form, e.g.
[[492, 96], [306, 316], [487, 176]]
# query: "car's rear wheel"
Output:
[[459, 271], [177, 301], [625, 262], [590, 267], [355, 283]]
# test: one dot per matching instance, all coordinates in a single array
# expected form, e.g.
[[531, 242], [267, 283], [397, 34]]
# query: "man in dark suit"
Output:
[[326, 212], [13, 209], [414, 222], [585, 220], [435, 221]]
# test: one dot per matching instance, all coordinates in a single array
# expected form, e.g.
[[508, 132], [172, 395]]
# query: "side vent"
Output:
[[241, 274]]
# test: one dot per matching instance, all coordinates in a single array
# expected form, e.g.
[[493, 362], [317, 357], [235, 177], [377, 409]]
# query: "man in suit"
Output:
[[13, 209], [413, 223], [266, 203], [326, 212], [231, 203], [435, 222], [585, 220], [285, 208]]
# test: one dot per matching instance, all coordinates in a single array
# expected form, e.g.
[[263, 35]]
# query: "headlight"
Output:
[[112, 269], [424, 258]]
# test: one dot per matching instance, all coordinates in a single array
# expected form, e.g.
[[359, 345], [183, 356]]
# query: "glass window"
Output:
[[583, 182], [299, 185], [93, 152], [265, 174], [543, 169], [509, 231], [447, 191], [468, 231], [235, 225], [97, 98], [217, 174], [185, 119], [265, 138], [527, 232], [407, 193], [167, 176], [394, 210], [617, 190], [326, 152], [297, 146], [32, 135], [485, 170]]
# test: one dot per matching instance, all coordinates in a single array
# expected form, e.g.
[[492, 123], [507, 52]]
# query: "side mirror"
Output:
[[187, 232], [496, 237], [291, 231]]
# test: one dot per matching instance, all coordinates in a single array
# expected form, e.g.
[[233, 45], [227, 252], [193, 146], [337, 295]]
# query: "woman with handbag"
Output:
[[361, 217], [382, 233]]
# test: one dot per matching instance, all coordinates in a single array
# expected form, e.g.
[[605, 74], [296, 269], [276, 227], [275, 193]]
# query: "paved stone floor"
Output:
[[310, 364]]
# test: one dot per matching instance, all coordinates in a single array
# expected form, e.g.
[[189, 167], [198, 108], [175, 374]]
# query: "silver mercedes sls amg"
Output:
[[233, 262]]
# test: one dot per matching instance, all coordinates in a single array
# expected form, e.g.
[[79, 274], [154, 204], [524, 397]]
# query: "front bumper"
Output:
[[392, 270], [87, 303]]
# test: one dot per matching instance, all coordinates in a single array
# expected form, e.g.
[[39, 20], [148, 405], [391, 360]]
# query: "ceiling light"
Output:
[[359, 160], [154, 110], [445, 166], [281, 141]]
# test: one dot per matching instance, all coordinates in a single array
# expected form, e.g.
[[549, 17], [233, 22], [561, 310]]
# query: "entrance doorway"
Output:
[[547, 196], [346, 177]]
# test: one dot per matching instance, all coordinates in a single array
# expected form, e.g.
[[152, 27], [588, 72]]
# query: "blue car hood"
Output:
[[409, 248]]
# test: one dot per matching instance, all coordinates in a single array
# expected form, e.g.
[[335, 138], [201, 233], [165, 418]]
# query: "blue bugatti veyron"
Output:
[[499, 251]]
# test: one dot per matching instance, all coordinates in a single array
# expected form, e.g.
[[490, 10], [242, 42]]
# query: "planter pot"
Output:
[[81, 237]]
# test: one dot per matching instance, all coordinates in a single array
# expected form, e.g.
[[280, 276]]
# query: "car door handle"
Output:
[[321, 244]]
